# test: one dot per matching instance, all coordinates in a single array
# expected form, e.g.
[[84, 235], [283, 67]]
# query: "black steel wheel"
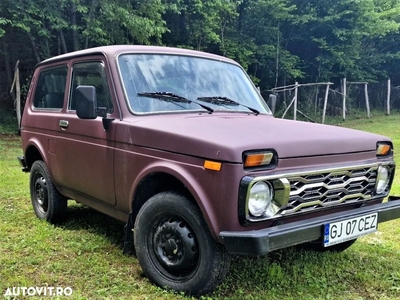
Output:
[[175, 248], [47, 201]]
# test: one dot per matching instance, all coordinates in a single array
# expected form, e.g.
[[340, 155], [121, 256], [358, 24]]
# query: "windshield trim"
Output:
[[195, 55]]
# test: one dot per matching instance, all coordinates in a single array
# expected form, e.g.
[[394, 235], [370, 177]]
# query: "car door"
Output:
[[85, 150], [45, 110]]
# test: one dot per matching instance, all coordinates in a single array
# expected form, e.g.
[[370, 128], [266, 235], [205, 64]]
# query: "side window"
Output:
[[50, 88], [93, 74]]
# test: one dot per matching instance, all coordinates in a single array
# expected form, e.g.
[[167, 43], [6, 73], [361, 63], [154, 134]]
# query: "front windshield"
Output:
[[186, 76]]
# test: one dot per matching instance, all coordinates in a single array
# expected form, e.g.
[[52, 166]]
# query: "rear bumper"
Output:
[[259, 242]]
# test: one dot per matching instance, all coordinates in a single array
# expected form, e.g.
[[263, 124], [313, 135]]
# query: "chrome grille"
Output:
[[299, 191], [310, 191]]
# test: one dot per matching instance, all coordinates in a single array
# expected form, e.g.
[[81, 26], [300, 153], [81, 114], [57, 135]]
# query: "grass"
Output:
[[84, 253]]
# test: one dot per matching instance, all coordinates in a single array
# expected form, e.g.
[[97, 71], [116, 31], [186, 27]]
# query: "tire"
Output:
[[47, 201], [318, 247], [175, 248]]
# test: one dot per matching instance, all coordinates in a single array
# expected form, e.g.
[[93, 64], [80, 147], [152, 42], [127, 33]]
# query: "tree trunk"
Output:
[[277, 57], [62, 41], [7, 63], [75, 38], [92, 13], [241, 8], [223, 39], [46, 48], [34, 47]]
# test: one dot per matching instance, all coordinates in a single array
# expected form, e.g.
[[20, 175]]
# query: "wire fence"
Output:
[[317, 101]]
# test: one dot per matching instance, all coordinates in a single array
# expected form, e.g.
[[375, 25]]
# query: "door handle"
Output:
[[63, 124]]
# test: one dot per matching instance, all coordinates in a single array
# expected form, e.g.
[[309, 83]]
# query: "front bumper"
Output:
[[263, 241]]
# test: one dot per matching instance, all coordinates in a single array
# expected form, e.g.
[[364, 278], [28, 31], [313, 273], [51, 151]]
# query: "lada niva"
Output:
[[180, 146]]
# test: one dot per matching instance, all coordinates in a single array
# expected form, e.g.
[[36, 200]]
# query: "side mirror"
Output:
[[86, 102], [272, 103]]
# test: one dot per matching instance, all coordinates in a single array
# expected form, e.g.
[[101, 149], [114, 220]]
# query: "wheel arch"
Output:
[[165, 177], [34, 152]]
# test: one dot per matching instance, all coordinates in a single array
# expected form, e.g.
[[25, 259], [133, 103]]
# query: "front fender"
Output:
[[182, 172]]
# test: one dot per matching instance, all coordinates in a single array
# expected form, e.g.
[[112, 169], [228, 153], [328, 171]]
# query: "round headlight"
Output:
[[383, 179], [261, 195]]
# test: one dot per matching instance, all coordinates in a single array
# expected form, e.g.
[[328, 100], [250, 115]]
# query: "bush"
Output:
[[8, 122]]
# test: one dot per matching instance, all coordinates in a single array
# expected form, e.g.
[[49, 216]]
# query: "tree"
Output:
[[276, 41], [333, 36], [121, 22]]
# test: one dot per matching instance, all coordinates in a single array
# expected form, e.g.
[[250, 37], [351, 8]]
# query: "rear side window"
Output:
[[92, 74], [50, 88]]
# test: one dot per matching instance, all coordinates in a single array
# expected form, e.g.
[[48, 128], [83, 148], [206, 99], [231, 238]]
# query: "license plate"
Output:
[[339, 232]]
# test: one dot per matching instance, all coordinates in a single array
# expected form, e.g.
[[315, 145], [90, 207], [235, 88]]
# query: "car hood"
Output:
[[225, 136]]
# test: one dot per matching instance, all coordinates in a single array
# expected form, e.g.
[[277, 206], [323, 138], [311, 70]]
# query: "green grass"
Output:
[[85, 252]]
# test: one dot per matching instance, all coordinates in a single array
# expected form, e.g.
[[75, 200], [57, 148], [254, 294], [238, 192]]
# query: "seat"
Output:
[[53, 100]]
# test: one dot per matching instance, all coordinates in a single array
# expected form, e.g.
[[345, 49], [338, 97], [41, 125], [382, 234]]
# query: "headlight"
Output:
[[260, 199], [383, 179]]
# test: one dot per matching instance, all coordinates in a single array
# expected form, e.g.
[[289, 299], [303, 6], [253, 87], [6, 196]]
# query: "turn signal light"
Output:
[[383, 149], [258, 159], [212, 165]]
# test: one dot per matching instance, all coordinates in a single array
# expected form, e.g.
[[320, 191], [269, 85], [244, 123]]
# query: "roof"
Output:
[[114, 50]]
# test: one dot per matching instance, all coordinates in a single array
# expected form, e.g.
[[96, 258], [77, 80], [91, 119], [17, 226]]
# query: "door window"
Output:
[[92, 74], [50, 88]]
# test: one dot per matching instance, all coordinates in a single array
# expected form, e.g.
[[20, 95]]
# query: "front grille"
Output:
[[310, 191], [297, 192]]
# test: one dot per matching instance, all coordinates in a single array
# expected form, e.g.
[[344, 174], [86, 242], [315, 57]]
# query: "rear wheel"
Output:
[[175, 248], [47, 201]]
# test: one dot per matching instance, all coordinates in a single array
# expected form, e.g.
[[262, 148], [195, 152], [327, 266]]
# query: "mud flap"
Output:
[[129, 247]]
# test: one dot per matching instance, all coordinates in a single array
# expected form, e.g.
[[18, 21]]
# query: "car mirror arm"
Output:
[[106, 122]]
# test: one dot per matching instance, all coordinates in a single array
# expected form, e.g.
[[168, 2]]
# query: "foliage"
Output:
[[3, 21], [276, 41], [8, 121]]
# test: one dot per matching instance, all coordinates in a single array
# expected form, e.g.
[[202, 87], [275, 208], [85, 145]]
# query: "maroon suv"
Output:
[[180, 146]]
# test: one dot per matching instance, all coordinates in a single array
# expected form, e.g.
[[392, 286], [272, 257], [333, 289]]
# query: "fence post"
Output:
[[344, 99], [295, 101], [388, 98], [367, 99], [16, 84], [325, 103]]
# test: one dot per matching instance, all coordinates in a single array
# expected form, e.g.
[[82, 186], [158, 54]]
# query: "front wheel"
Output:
[[47, 201], [175, 248]]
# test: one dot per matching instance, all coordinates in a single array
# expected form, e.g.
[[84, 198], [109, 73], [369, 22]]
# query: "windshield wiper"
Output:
[[221, 100], [171, 97]]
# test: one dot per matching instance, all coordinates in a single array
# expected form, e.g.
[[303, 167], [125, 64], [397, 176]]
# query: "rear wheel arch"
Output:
[[33, 154]]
